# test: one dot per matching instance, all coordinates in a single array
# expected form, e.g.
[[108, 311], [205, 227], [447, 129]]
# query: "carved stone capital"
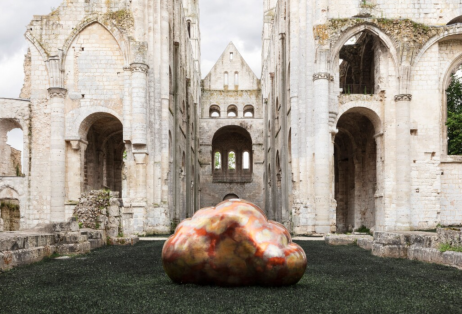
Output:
[[139, 67], [75, 145], [322, 76], [140, 157], [403, 97], [57, 92]]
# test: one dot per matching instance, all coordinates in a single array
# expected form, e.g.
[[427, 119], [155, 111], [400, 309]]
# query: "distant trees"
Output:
[[454, 119]]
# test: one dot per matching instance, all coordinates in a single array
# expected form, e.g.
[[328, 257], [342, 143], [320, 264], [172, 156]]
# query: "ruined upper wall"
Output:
[[215, 80], [427, 12]]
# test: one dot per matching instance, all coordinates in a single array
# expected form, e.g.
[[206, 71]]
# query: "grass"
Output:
[[131, 280], [448, 247]]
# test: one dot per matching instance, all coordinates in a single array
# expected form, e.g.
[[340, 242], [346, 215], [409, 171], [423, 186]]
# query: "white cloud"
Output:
[[16, 15], [239, 21]]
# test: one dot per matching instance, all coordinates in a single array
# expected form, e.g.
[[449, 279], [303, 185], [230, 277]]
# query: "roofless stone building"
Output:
[[346, 128]]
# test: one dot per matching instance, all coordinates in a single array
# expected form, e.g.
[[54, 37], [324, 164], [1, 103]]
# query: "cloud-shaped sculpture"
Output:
[[233, 244]]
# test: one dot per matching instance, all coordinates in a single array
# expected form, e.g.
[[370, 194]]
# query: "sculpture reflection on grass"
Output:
[[233, 244]]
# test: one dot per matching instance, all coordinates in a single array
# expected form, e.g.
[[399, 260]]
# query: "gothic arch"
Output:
[[9, 192], [452, 30], [385, 39], [76, 129], [445, 80], [29, 36], [118, 36], [370, 111]]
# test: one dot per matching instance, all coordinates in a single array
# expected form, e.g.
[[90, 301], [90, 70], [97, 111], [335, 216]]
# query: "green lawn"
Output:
[[131, 280]]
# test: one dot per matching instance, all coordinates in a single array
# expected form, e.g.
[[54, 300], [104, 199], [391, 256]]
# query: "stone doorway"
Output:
[[10, 215], [104, 155], [355, 162]]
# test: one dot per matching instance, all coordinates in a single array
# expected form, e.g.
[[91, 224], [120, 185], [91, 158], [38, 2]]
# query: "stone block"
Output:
[[112, 232], [132, 240], [392, 251], [114, 211], [427, 255], [387, 238], [365, 243], [345, 239]]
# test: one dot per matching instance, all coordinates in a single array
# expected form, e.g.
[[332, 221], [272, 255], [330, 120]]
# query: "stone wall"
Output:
[[225, 131], [104, 80]]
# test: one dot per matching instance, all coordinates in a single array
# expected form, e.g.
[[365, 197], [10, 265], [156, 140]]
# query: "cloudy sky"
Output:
[[222, 21]]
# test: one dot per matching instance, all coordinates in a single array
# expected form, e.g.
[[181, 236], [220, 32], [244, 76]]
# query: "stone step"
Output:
[[10, 259], [11, 241]]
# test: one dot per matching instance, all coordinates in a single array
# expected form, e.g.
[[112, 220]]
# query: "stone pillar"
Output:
[[322, 158], [58, 154], [127, 109], [379, 213], [76, 162], [139, 103], [403, 161]]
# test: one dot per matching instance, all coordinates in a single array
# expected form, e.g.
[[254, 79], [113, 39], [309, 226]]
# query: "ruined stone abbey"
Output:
[[345, 129]]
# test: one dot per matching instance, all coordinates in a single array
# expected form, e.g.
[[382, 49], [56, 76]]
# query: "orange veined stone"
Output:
[[233, 244]]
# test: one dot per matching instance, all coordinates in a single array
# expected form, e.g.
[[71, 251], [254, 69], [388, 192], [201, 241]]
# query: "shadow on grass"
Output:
[[132, 280]]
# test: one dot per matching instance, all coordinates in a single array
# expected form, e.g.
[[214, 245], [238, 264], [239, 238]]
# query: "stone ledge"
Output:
[[345, 239], [123, 240], [413, 245]]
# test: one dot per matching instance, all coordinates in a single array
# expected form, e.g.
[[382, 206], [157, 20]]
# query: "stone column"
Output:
[[127, 105], [379, 214], [139, 103], [58, 154], [139, 141], [322, 158], [76, 162], [403, 161]]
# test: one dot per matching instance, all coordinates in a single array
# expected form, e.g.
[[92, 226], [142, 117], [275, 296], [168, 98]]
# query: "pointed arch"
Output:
[[384, 38], [121, 39]]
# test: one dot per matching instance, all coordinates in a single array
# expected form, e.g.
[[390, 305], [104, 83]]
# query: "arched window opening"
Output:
[[231, 160], [232, 111], [183, 162], [232, 157], [11, 148], [230, 197], [226, 79], [278, 165], [359, 62], [217, 161], [214, 111], [454, 112], [236, 78], [246, 161], [249, 111], [189, 28], [10, 215], [170, 141], [290, 145], [456, 20], [104, 156], [231, 56]]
